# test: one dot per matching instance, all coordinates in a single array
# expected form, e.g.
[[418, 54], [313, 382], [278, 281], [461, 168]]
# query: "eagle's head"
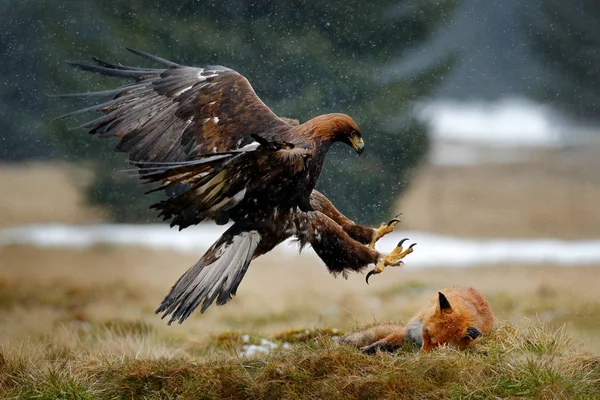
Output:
[[340, 128]]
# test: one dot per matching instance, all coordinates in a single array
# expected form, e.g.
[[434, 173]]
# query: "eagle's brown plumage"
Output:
[[220, 153]]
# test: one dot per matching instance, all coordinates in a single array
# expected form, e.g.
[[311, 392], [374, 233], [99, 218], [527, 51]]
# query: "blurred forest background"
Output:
[[372, 60], [305, 60]]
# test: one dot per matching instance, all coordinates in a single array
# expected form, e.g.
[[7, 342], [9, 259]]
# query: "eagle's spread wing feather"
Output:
[[177, 112], [218, 152], [213, 184]]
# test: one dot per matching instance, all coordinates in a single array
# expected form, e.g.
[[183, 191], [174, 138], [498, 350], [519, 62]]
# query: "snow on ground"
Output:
[[497, 132], [432, 250], [264, 347], [506, 122]]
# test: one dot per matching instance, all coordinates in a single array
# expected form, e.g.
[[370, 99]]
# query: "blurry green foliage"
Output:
[[303, 59], [565, 39]]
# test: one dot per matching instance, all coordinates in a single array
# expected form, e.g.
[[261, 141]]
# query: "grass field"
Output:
[[510, 363], [530, 200], [81, 323]]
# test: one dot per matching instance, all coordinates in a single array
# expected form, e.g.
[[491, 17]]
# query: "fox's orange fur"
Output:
[[455, 316]]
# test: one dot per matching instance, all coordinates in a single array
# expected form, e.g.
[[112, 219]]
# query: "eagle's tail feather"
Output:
[[215, 276]]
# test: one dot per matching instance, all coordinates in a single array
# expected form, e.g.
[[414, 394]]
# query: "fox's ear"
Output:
[[444, 303]]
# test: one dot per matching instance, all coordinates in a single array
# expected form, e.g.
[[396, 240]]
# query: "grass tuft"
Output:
[[511, 362], [60, 294], [308, 335]]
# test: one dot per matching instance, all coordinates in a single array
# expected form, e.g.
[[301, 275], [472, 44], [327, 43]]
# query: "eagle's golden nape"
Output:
[[219, 153]]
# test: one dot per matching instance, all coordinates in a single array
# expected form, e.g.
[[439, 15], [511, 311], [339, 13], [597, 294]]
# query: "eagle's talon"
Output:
[[384, 229], [372, 272], [403, 253], [396, 219], [377, 270], [394, 259]]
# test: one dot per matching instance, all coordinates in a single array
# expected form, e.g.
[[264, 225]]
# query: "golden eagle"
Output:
[[221, 154]]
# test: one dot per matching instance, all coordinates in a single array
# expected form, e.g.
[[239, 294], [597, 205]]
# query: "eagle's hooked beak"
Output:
[[357, 144]]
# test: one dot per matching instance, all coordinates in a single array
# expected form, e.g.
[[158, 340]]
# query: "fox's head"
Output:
[[454, 325]]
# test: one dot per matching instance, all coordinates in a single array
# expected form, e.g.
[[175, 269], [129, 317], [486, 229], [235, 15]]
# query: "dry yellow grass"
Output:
[[510, 363], [80, 324], [49, 293], [44, 192], [539, 199]]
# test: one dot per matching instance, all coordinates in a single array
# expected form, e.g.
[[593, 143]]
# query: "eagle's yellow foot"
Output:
[[384, 229], [393, 259]]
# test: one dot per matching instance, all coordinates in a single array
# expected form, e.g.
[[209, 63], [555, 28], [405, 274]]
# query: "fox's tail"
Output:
[[215, 276], [370, 335]]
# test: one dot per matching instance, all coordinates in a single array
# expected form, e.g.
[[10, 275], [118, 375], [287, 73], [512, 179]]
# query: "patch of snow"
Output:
[[155, 236], [432, 250], [264, 347], [507, 122], [445, 251]]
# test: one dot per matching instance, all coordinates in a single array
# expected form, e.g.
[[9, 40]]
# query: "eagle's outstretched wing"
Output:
[[215, 185], [220, 153], [175, 113]]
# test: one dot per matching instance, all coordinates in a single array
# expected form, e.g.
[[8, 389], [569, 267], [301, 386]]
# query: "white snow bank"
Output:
[[264, 347], [155, 236], [506, 122], [431, 251]]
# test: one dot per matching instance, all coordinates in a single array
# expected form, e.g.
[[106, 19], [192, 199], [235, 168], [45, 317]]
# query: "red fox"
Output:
[[455, 316]]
